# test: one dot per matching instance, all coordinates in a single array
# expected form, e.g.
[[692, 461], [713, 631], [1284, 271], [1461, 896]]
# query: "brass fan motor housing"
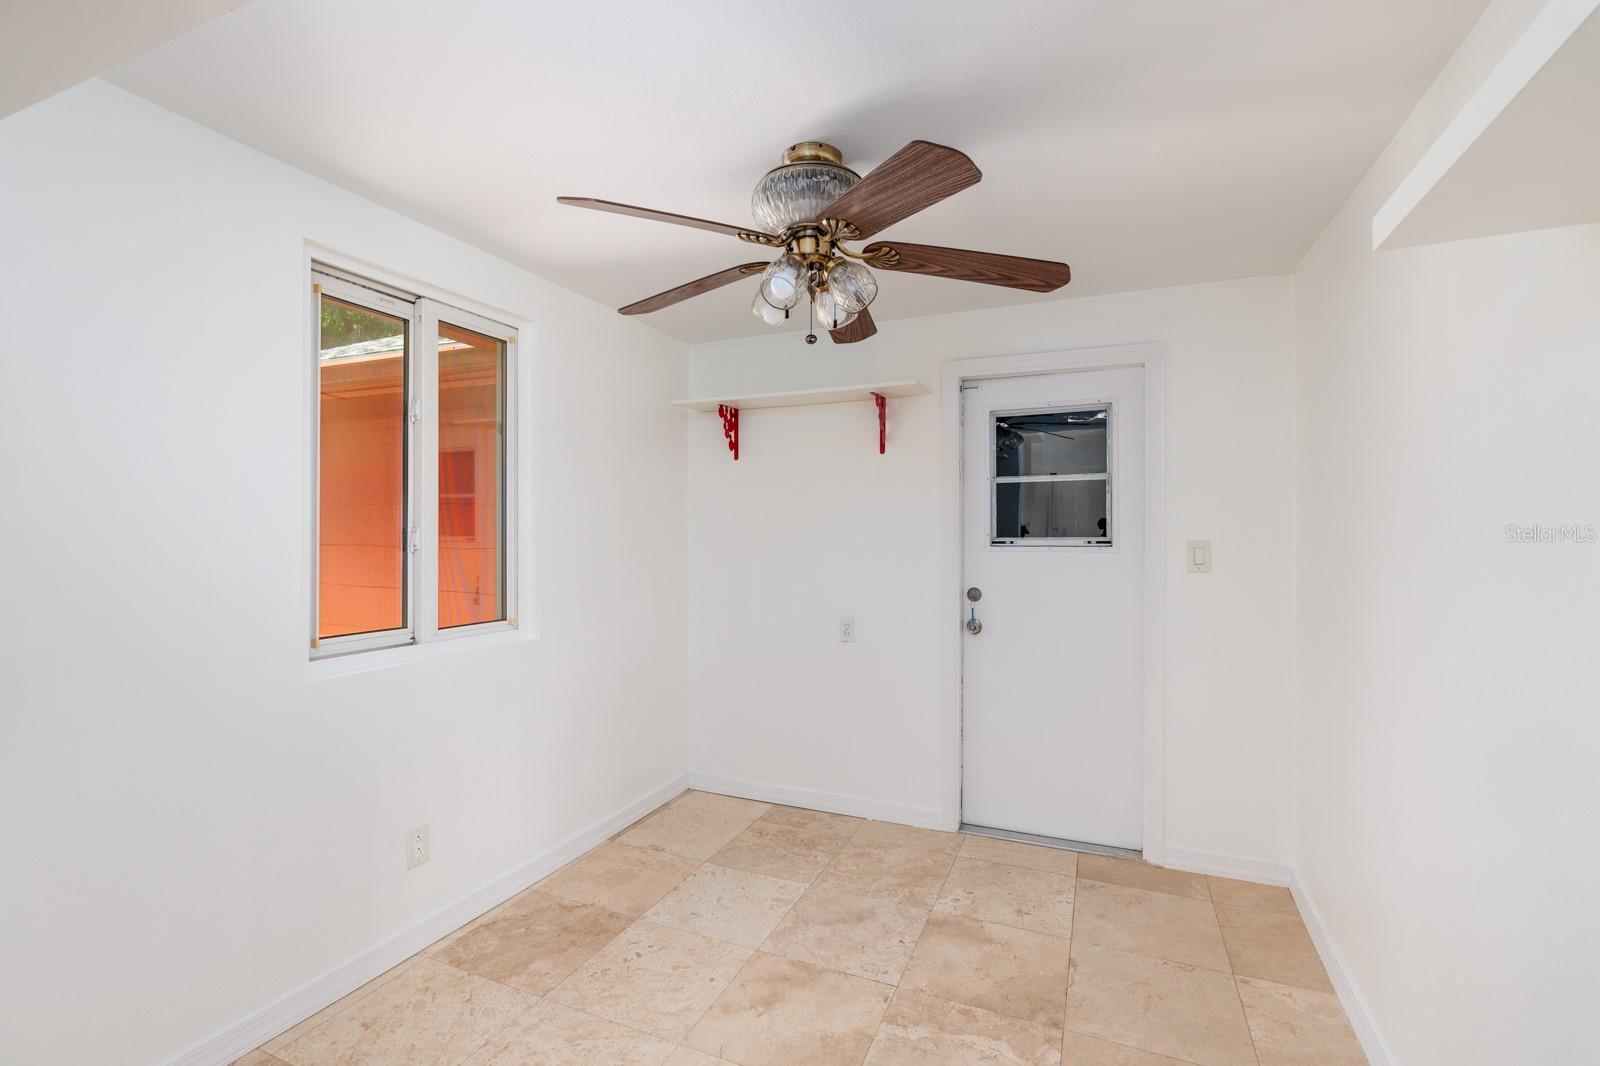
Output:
[[813, 152]]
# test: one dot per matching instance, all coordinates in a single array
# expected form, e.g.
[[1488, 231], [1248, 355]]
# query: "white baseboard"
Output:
[[1207, 862], [832, 802], [294, 1008], [1355, 1004]]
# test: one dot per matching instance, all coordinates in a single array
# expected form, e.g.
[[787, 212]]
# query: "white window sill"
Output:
[[360, 662]]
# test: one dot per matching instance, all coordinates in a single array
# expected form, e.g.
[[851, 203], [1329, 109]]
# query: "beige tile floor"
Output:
[[720, 930]]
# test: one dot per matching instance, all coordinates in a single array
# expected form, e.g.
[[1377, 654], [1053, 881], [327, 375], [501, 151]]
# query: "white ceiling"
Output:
[[47, 45], [1146, 142]]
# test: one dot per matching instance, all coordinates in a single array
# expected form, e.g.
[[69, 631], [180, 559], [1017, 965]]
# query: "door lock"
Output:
[[974, 594]]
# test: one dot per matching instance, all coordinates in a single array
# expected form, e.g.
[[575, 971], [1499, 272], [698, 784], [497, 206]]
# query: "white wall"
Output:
[[811, 523], [1447, 835], [192, 828]]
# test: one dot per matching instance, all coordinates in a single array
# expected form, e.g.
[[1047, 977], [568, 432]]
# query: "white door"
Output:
[[1053, 540]]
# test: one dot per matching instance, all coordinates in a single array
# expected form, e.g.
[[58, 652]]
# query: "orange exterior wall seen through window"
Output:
[[361, 513], [471, 476]]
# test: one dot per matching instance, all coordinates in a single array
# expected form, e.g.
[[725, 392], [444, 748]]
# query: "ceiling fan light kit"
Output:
[[810, 205], [766, 312], [783, 281], [852, 285]]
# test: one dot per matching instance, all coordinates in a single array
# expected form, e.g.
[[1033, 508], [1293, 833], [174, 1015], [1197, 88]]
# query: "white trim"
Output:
[[326, 282], [1550, 29], [430, 314], [484, 638], [1260, 871], [811, 799], [1151, 356], [806, 397], [1356, 1008], [251, 1032]]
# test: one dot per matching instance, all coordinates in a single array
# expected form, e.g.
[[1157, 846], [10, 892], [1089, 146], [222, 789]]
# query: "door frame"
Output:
[[1151, 357]]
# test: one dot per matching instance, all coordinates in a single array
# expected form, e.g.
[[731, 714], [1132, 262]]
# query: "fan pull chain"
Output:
[[811, 337]]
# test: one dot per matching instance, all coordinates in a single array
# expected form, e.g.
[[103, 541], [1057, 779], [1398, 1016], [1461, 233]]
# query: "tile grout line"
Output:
[[541, 998], [486, 1040], [1234, 972], [1237, 995], [878, 1029], [1072, 939], [621, 1025], [1133, 1047], [1071, 920], [1158, 958], [537, 999], [689, 1029], [1141, 888]]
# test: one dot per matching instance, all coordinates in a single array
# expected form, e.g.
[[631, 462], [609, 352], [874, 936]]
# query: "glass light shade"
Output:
[[852, 285], [829, 314], [772, 316], [783, 281], [797, 192]]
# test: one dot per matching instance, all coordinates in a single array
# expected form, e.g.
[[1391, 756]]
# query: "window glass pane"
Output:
[[471, 477], [361, 483], [1050, 442], [1032, 509]]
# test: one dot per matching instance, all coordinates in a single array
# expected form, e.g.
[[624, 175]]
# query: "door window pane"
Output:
[[361, 477], [1050, 442], [471, 477], [1055, 509], [1052, 477]]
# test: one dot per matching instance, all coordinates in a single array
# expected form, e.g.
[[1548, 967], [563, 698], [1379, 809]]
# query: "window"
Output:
[[412, 482], [471, 477], [1052, 477]]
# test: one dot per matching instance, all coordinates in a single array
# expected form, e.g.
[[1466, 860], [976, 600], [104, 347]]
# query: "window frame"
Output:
[[421, 597], [430, 313], [996, 479]]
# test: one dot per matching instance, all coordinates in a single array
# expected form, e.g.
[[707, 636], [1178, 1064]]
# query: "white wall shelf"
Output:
[[1522, 152], [806, 397]]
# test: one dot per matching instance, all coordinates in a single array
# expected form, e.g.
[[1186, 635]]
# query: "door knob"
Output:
[[973, 625]]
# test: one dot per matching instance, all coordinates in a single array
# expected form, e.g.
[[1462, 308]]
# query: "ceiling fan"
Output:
[[811, 205]]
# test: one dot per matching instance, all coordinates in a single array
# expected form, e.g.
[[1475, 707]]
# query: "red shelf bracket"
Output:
[[883, 433], [730, 427]]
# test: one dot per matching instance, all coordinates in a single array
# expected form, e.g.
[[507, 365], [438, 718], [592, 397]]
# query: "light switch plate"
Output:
[[1199, 556]]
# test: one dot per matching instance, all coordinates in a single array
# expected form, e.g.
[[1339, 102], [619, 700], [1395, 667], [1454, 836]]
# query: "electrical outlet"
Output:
[[702, 754], [417, 847], [847, 629]]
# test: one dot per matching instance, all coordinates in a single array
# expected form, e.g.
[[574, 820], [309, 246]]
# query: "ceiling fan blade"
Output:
[[859, 329], [988, 268], [917, 176], [692, 288], [611, 207]]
